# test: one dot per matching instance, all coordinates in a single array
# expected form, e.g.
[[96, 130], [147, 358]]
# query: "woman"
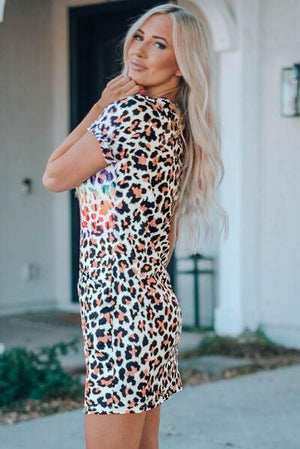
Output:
[[145, 156]]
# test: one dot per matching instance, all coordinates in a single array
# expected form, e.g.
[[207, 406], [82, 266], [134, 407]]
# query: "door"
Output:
[[95, 34]]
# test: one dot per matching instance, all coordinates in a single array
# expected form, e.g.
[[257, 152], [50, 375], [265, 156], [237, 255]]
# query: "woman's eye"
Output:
[[159, 43], [162, 45]]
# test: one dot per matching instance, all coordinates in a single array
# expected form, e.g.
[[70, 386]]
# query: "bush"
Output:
[[247, 344], [38, 375]]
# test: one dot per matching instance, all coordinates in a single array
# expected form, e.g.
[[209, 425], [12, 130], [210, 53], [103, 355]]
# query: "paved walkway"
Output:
[[254, 411]]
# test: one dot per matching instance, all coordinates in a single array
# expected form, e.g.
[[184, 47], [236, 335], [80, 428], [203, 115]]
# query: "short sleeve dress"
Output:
[[131, 319]]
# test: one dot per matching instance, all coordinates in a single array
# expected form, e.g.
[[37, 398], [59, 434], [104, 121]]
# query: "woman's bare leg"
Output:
[[130, 431], [149, 439], [114, 431]]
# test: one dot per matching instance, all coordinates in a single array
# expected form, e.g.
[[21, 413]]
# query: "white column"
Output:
[[238, 286]]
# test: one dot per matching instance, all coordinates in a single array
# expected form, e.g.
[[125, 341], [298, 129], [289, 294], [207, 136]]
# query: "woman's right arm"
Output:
[[78, 132], [121, 85], [71, 155]]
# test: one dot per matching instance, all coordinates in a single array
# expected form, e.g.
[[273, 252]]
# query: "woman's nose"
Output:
[[141, 50]]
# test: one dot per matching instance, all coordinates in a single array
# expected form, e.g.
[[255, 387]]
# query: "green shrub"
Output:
[[37, 375]]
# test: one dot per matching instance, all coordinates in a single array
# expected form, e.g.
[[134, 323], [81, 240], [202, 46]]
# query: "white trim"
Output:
[[228, 314], [221, 20]]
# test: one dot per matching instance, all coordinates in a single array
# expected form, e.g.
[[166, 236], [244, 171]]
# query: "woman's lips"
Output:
[[137, 66]]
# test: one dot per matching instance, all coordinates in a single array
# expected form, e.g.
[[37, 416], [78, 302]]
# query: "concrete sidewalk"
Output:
[[254, 411]]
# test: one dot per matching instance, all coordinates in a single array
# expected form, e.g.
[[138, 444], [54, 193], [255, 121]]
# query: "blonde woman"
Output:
[[145, 155]]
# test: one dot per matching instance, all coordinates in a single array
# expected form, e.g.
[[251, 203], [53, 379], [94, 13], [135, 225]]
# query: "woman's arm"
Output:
[[77, 132], [113, 88], [78, 157]]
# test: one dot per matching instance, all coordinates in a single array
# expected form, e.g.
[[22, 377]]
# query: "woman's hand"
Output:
[[117, 88]]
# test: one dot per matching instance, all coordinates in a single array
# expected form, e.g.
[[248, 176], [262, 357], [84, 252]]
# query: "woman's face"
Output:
[[151, 59]]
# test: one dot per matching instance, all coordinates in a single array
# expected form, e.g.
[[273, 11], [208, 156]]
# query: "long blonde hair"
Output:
[[202, 161]]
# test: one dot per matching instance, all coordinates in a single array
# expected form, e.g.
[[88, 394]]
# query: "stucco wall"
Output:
[[26, 128], [280, 162]]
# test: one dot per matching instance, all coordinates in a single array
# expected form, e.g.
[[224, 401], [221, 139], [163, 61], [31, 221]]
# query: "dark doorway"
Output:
[[95, 34]]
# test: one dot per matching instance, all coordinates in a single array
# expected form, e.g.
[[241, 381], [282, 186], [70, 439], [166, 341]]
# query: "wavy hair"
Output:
[[202, 162]]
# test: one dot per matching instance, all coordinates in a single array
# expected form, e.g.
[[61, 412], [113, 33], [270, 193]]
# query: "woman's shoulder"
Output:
[[138, 104], [140, 112]]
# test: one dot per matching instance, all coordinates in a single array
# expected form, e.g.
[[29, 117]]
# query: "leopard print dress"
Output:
[[131, 319]]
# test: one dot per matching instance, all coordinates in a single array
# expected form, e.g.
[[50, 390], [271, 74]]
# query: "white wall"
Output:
[[264, 288], [26, 128], [35, 228], [280, 163]]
